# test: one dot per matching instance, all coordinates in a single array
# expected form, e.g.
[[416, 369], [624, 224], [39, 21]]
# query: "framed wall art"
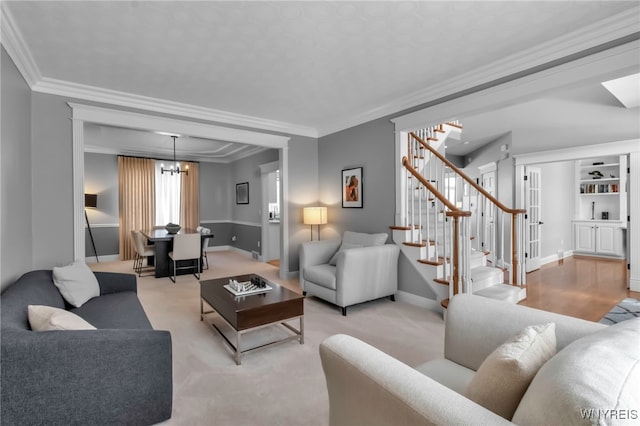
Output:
[[352, 188], [242, 193]]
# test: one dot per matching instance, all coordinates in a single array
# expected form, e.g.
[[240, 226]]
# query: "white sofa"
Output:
[[357, 269], [595, 368]]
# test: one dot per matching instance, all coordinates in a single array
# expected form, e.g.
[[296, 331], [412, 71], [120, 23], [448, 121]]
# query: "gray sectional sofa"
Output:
[[120, 373]]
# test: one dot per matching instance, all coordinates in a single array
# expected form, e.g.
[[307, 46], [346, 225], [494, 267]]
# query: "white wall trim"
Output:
[[81, 113], [618, 61], [235, 222], [78, 189], [103, 225], [17, 48], [422, 302], [576, 153], [135, 120], [103, 258], [113, 97], [554, 257], [265, 170], [606, 30], [489, 167]]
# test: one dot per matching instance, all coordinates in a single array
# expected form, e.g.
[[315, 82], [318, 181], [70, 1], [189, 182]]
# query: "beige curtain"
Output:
[[190, 196], [136, 196]]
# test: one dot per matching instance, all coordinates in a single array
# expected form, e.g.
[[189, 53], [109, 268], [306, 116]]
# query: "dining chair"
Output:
[[136, 255], [205, 243], [143, 250], [186, 247]]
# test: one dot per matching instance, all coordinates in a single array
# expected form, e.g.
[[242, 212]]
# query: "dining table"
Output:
[[163, 243]]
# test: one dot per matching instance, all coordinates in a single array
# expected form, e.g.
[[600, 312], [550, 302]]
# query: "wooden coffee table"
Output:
[[247, 313]]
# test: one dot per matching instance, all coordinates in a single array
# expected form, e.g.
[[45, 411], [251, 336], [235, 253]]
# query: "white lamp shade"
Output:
[[315, 215]]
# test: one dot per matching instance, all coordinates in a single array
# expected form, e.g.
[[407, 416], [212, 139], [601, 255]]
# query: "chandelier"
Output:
[[171, 168]]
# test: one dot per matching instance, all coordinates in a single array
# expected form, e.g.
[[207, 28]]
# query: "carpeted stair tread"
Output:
[[505, 292], [485, 276]]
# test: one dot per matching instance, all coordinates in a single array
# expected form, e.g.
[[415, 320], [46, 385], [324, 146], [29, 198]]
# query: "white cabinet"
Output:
[[602, 238], [585, 237]]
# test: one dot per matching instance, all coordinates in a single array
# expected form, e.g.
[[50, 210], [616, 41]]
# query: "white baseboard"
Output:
[[420, 301], [290, 275], [228, 248], [555, 258]]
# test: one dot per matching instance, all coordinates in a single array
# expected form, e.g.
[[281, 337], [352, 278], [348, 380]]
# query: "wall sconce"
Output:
[[315, 216], [91, 202]]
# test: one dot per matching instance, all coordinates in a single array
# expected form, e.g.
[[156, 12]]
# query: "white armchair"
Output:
[[357, 269]]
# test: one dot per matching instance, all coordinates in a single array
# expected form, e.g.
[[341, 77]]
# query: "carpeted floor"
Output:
[[280, 385], [627, 309]]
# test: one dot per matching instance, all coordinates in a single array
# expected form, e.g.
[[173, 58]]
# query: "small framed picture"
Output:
[[242, 193], [352, 188]]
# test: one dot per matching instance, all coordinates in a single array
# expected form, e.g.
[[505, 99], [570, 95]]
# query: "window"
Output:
[[167, 197]]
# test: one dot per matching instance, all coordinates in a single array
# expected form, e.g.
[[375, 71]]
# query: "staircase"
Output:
[[453, 230]]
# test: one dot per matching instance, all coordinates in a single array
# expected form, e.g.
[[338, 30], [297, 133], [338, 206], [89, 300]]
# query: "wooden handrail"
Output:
[[407, 164], [478, 188]]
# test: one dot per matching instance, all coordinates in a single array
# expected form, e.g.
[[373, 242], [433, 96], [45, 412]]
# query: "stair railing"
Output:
[[458, 236], [494, 222]]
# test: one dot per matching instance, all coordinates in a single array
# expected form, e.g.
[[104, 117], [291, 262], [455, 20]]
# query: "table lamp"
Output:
[[315, 216]]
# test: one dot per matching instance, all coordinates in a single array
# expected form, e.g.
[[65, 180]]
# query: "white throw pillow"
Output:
[[504, 376], [76, 282], [593, 380], [364, 239], [47, 318], [344, 246]]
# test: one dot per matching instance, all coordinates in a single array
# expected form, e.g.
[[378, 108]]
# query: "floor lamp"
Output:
[[314, 216], [91, 202]]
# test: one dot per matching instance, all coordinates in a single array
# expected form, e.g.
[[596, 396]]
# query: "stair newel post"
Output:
[[514, 249], [412, 195], [407, 182], [466, 265], [454, 257], [479, 214]]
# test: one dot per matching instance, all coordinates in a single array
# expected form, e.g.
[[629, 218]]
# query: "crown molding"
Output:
[[136, 120], [113, 97], [616, 27], [16, 47], [608, 30]]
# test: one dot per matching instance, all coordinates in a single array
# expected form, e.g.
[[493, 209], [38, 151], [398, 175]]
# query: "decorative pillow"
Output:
[[76, 282], [504, 376], [365, 240], [47, 318], [593, 380], [343, 246]]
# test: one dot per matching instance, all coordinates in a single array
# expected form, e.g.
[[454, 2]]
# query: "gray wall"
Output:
[[218, 210], [248, 170], [101, 178], [52, 163], [215, 192], [371, 146], [303, 169], [15, 174], [505, 187], [247, 218]]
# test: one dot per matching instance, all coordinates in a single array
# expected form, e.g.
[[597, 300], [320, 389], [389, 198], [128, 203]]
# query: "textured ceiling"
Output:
[[312, 64], [307, 63], [138, 143]]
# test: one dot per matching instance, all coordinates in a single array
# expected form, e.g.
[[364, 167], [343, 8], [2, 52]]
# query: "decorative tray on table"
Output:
[[245, 288]]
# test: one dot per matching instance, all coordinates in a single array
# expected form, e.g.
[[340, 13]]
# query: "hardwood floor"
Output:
[[580, 286]]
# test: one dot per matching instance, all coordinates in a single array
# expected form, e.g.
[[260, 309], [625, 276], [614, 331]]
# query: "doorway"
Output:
[[271, 213]]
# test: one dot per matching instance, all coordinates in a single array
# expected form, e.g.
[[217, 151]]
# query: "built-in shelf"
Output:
[[604, 193]]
